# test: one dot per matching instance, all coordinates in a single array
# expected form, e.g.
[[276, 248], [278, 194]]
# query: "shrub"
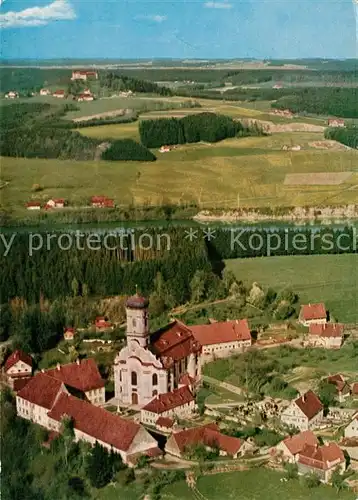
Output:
[[127, 149]]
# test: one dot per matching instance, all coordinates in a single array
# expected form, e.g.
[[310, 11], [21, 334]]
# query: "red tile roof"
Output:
[[41, 390], [59, 92], [33, 204], [354, 388], [19, 383], [174, 342], [165, 422], [16, 356], [313, 311], [186, 379], [170, 400], [96, 422], [208, 435], [327, 330], [321, 457], [101, 322], [83, 375], [338, 381], [222, 332], [309, 404], [297, 442]]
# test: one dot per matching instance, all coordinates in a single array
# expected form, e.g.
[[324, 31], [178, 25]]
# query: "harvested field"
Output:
[[329, 145], [317, 179], [106, 114]]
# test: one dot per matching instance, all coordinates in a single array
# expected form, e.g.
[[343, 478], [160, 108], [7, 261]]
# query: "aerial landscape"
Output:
[[178, 250]]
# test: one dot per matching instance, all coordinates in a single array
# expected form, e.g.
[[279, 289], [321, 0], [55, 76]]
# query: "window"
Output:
[[155, 379], [134, 323], [134, 378]]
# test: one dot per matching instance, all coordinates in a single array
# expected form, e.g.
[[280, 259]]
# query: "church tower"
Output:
[[137, 320]]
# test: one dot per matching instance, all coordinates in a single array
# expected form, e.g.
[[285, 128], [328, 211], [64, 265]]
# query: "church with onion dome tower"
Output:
[[161, 362], [150, 365]]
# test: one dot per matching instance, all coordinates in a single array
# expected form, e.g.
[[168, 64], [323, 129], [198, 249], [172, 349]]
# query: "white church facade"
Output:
[[153, 364]]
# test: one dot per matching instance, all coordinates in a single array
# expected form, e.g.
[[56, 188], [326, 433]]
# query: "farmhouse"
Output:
[[18, 369], [342, 387], [82, 376], [154, 364], [335, 122], [12, 95], [45, 401], [328, 335], [55, 203], [60, 94], [84, 75], [33, 205], [102, 202], [69, 333], [313, 313], [290, 447], [164, 424], [208, 435], [321, 460], [85, 97], [305, 413], [180, 403], [222, 339], [45, 92], [101, 324], [351, 431]]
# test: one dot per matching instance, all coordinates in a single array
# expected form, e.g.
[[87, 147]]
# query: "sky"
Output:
[[205, 29]]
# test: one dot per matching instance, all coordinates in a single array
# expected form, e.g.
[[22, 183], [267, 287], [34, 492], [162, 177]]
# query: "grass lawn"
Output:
[[255, 484], [332, 279], [112, 131], [251, 170]]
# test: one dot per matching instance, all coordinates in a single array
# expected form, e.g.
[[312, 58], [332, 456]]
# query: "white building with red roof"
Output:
[[178, 403], [69, 333], [351, 431], [305, 413], [33, 205], [18, 369], [55, 203], [153, 364], [291, 446], [313, 313], [46, 401], [84, 75], [179, 443], [83, 376], [343, 389], [336, 122], [60, 94], [327, 335], [321, 460]]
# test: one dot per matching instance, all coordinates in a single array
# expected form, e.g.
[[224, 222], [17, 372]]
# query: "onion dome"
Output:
[[137, 301]]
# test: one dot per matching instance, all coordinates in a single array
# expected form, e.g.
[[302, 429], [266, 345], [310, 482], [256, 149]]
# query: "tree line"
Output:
[[347, 136], [208, 127], [119, 82]]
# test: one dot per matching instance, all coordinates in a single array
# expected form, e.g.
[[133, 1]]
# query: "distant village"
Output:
[[157, 377]]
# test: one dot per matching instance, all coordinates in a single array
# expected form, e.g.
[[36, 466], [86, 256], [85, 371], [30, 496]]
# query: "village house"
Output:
[[221, 339], [18, 369], [335, 122], [101, 324], [165, 149], [179, 443], [304, 413], [153, 364], [178, 403], [45, 92], [102, 202], [313, 313], [343, 389], [69, 333], [12, 95], [165, 424], [55, 203], [289, 448], [33, 205], [46, 401], [60, 94], [351, 431], [327, 335], [321, 460], [85, 97], [83, 376], [84, 75]]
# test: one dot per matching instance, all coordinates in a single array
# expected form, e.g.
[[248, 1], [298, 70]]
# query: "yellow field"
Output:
[[248, 171]]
